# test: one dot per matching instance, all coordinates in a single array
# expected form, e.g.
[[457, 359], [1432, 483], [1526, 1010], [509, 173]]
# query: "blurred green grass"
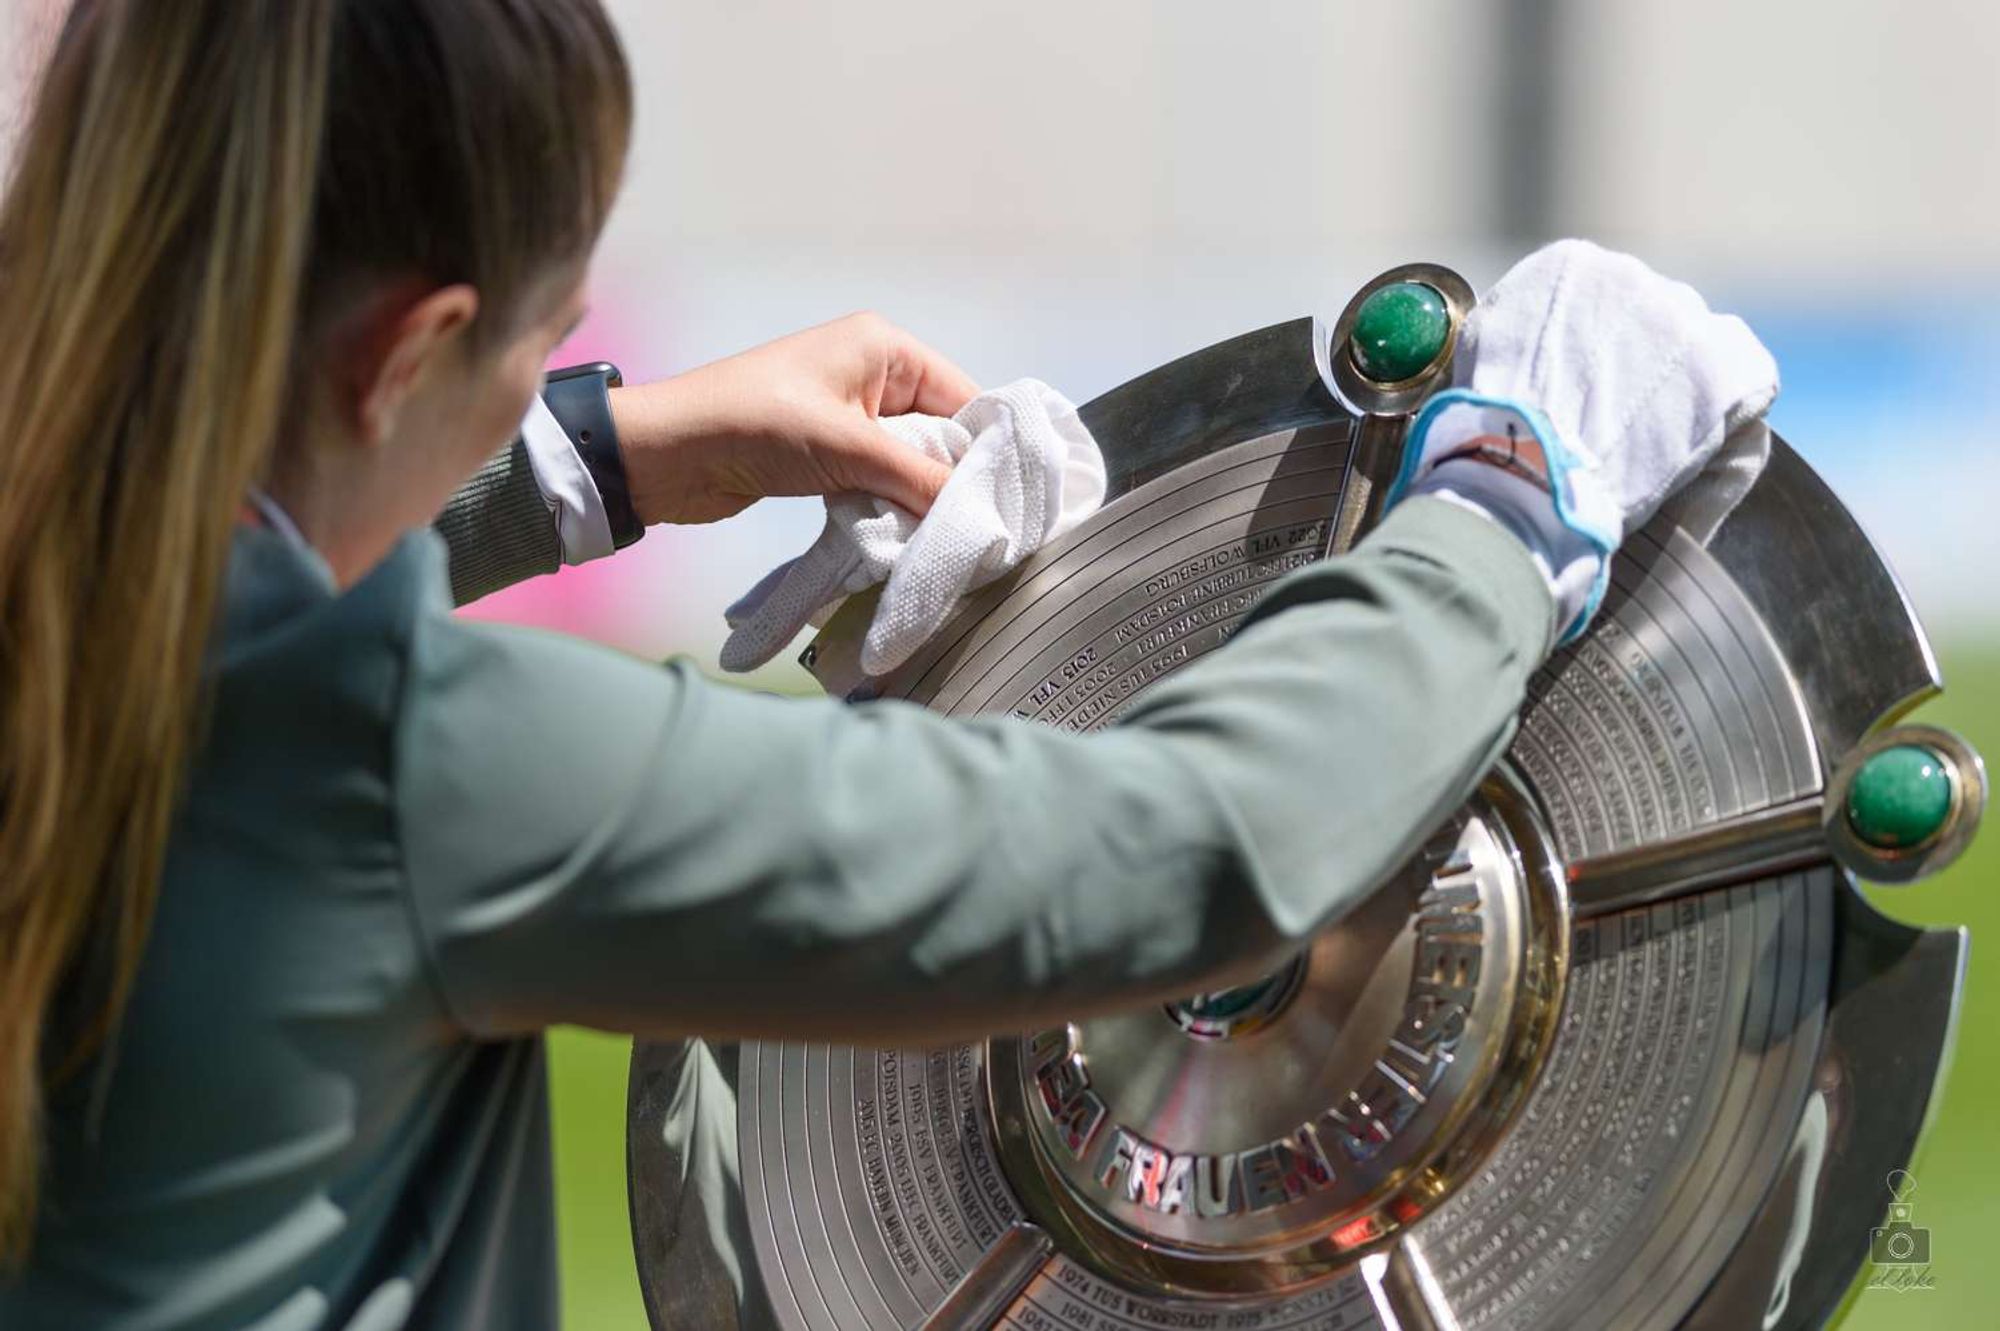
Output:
[[1956, 1170]]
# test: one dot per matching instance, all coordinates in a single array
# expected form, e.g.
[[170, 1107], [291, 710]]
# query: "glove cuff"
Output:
[[1505, 459]]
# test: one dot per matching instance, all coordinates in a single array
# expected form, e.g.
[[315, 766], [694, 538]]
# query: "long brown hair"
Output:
[[200, 182]]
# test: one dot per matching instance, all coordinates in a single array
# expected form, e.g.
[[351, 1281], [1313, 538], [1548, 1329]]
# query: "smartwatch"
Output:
[[580, 398]]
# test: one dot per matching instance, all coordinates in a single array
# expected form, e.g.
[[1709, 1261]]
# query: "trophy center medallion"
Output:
[[1304, 1110]]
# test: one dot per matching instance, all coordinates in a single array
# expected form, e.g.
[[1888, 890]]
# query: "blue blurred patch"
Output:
[[1859, 374]]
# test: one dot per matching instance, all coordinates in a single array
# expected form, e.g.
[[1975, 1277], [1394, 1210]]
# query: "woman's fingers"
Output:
[[796, 416], [882, 465], [913, 378], [920, 379]]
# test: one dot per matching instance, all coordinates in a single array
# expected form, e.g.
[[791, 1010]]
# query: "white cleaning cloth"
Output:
[[1025, 471], [1606, 388]]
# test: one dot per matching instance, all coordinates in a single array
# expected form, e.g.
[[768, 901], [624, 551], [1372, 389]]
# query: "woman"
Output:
[[299, 866]]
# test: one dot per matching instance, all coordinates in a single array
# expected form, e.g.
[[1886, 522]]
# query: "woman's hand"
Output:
[[793, 417]]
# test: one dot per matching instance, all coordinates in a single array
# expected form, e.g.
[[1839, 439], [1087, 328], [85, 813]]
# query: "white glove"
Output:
[[1606, 387], [1026, 470]]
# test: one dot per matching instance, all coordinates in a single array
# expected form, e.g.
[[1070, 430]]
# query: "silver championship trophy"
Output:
[[1623, 1047]]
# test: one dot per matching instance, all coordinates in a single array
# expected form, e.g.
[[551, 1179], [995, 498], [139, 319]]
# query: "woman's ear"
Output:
[[409, 342]]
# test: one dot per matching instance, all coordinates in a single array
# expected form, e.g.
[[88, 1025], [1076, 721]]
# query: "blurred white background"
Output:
[[1081, 191]]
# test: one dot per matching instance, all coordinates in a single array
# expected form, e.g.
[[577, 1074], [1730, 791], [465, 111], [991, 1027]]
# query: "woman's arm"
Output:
[[592, 840], [793, 417]]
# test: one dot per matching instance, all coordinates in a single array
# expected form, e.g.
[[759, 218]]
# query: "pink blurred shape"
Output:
[[629, 601]]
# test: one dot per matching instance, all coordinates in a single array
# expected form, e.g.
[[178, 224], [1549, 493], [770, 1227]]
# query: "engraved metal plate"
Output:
[[1256, 1141], [1593, 1060]]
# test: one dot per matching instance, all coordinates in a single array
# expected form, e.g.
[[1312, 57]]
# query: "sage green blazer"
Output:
[[412, 843]]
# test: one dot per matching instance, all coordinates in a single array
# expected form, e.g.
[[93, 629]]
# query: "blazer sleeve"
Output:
[[594, 840], [498, 529], [507, 523]]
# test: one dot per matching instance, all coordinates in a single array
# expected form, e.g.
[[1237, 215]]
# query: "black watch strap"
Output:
[[580, 399]]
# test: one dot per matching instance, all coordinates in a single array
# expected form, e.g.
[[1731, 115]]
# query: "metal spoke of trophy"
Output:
[[1623, 1047]]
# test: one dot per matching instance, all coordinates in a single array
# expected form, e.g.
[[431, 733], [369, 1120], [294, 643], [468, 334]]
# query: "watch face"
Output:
[[1553, 1073], [579, 398], [602, 369]]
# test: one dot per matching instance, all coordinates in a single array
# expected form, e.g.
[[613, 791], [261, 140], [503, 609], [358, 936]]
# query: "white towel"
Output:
[[1025, 471]]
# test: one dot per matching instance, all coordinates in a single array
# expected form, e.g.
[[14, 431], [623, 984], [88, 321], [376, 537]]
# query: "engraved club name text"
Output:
[[1448, 950]]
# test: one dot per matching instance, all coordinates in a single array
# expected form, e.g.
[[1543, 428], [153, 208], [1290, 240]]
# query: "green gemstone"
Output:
[[1900, 798], [1399, 331]]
